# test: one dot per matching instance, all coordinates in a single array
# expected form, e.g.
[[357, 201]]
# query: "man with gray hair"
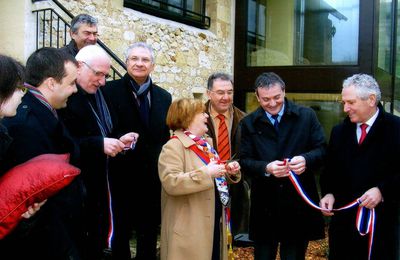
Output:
[[83, 32], [141, 106], [89, 119], [362, 164]]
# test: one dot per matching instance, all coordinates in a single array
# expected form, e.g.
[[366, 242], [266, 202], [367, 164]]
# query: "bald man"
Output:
[[89, 119]]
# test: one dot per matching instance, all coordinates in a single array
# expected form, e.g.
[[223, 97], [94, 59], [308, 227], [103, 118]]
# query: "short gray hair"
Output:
[[80, 19], [364, 85], [218, 75], [139, 45]]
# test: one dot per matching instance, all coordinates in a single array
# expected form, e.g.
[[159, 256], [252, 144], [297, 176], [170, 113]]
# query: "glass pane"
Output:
[[173, 3], [385, 29], [302, 32]]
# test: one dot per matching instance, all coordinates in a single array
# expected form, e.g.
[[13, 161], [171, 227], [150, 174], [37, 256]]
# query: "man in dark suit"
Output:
[[141, 106], [362, 163], [279, 130], [220, 103], [89, 120], [55, 232], [83, 32]]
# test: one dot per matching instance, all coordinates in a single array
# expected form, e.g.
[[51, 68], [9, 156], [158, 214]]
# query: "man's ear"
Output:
[[372, 100], [49, 83]]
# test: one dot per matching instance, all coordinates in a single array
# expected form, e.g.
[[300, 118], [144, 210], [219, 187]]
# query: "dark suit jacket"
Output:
[[352, 169], [277, 211], [35, 130], [137, 170]]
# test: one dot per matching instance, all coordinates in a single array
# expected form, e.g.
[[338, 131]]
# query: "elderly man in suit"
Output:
[[89, 119], [362, 161], [141, 106]]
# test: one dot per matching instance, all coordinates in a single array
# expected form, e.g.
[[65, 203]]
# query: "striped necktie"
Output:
[[223, 139]]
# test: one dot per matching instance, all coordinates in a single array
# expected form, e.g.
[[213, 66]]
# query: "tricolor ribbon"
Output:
[[365, 219]]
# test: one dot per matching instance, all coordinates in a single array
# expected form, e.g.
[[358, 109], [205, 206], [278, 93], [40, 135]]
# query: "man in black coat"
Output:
[[55, 232], [276, 131], [83, 32], [89, 119], [365, 166], [141, 106]]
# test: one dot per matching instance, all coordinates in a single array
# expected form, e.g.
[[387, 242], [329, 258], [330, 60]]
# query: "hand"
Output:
[[112, 146], [232, 168], [279, 169], [33, 209], [371, 198], [326, 203], [216, 170], [297, 164], [129, 138]]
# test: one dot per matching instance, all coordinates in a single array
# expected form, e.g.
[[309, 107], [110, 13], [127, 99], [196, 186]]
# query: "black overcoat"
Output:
[[277, 211], [351, 170], [55, 232]]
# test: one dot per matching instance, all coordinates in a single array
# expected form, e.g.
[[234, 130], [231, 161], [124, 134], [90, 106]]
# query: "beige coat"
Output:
[[187, 203]]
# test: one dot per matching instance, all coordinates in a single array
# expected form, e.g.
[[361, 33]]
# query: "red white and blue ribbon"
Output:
[[365, 219]]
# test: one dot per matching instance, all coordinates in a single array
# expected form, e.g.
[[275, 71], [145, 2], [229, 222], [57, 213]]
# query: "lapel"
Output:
[[46, 118]]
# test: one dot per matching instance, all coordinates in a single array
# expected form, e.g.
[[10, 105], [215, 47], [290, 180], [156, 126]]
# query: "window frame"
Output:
[[199, 20]]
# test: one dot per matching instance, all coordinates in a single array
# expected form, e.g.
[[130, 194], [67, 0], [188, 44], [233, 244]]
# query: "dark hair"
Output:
[[267, 80], [218, 75], [12, 73], [47, 62], [80, 19]]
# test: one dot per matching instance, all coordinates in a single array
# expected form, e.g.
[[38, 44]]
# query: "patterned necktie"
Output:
[[363, 132], [223, 139], [276, 122]]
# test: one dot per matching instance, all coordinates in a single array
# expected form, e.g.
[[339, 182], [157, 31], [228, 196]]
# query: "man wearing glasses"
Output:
[[141, 107], [89, 119], [220, 108], [83, 32]]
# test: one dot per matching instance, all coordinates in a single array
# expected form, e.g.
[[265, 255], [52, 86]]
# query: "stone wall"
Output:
[[185, 55]]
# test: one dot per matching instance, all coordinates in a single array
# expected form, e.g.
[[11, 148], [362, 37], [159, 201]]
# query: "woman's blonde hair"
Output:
[[182, 112]]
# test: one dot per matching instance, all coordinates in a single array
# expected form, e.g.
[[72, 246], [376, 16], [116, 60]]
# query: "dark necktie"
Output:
[[144, 107], [363, 132], [223, 139], [276, 122]]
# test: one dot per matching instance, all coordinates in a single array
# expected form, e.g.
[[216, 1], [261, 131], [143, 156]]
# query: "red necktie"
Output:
[[363, 132], [223, 139]]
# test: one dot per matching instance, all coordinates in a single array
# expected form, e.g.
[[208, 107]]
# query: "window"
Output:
[[191, 12], [302, 32]]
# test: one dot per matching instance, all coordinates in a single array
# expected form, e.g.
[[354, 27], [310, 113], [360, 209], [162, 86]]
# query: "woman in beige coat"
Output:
[[189, 169]]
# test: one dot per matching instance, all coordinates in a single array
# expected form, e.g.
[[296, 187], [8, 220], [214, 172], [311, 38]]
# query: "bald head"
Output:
[[94, 67]]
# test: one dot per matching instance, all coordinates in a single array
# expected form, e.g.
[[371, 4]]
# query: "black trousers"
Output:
[[289, 250]]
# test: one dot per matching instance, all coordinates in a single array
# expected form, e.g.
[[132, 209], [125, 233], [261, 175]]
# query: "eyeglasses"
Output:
[[23, 89], [135, 59], [97, 73], [222, 93]]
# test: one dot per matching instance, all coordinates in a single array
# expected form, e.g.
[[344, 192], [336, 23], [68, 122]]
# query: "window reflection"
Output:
[[302, 32]]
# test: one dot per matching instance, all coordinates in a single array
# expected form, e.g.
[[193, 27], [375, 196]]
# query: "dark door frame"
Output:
[[303, 79]]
